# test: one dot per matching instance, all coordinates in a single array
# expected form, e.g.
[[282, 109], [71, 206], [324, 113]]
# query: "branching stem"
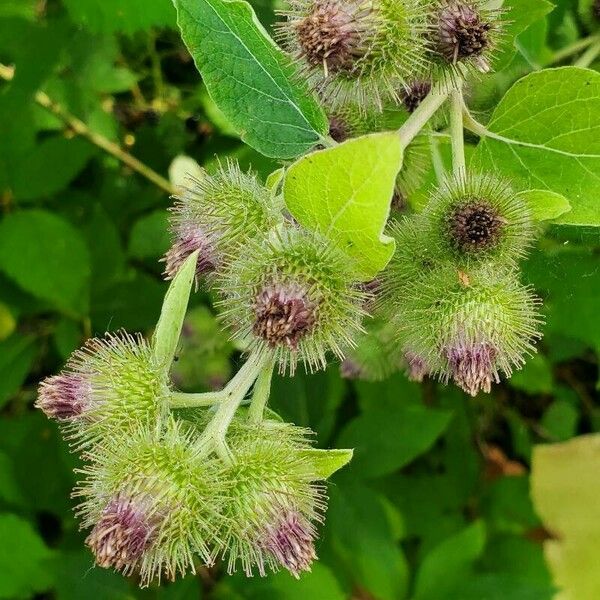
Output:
[[80, 128], [261, 393], [229, 400], [422, 114]]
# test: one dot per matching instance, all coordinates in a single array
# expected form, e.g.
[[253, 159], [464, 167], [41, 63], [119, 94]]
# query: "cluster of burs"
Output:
[[161, 489]]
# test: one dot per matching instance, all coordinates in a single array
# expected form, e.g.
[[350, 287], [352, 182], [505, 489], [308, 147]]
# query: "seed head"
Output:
[[283, 315], [360, 51], [475, 226], [151, 503], [463, 33], [292, 294], [469, 327], [472, 366], [332, 34], [216, 214], [474, 218], [109, 385], [123, 533], [65, 396], [274, 501]]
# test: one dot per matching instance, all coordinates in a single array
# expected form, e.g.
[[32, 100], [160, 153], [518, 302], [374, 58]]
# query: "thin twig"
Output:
[[588, 57], [79, 127]]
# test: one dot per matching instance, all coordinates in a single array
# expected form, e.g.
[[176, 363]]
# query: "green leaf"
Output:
[[9, 489], [250, 79], [150, 236], [361, 536], [22, 559], [327, 462], [565, 488], [545, 205], [127, 16], [345, 193], [16, 355], [170, 323], [388, 438], [449, 563], [548, 123], [76, 579], [47, 257], [50, 167]]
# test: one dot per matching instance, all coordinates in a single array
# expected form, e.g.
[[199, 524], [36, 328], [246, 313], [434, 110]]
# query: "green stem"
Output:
[[568, 51], [213, 437], [421, 116], [183, 400], [261, 393], [436, 158], [457, 133], [588, 57]]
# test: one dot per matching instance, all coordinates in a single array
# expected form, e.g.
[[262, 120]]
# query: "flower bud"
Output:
[[358, 51], [151, 503], [217, 213], [273, 502], [465, 32], [414, 93], [469, 327], [475, 218], [292, 294], [109, 384]]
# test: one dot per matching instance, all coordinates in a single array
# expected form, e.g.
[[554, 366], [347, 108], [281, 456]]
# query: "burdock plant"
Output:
[[304, 268]]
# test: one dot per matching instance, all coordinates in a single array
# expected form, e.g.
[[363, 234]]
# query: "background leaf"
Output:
[[47, 257]]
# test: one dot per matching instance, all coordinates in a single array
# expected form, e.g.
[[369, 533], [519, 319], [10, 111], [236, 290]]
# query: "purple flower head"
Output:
[[290, 540], [65, 397], [473, 366], [188, 239], [416, 367], [122, 534], [463, 33], [283, 315]]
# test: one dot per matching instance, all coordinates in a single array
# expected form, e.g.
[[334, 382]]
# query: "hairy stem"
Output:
[[80, 128], [421, 116], [213, 437], [588, 57], [261, 393], [457, 133]]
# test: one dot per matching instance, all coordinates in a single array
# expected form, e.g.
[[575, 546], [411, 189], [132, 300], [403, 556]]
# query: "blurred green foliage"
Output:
[[435, 504]]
